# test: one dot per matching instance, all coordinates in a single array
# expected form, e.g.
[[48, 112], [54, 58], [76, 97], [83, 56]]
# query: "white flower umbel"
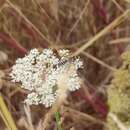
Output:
[[47, 75]]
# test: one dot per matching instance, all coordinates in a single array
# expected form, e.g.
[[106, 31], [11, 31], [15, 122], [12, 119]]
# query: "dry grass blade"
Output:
[[99, 61], [118, 5], [80, 17], [5, 121], [28, 115], [13, 43], [103, 32], [43, 10], [83, 115], [6, 115], [118, 122], [54, 8], [28, 21], [127, 1], [120, 40], [97, 29]]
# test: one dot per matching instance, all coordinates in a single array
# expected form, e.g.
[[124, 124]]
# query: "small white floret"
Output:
[[42, 73]]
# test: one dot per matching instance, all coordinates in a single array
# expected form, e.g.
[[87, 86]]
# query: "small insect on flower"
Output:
[[47, 75]]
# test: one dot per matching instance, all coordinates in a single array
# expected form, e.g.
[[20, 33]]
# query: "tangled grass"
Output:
[[97, 30]]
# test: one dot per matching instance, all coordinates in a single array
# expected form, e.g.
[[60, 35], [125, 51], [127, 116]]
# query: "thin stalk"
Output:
[[6, 115], [12, 43], [28, 21], [103, 32], [58, 120]]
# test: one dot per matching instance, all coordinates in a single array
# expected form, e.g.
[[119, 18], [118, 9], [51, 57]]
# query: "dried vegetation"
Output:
[[97, 30]]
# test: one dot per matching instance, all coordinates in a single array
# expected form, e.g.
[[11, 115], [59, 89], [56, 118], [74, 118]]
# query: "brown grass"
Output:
[[97, 30]]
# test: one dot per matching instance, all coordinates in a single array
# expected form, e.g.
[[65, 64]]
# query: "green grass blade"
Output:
[[58, 120]]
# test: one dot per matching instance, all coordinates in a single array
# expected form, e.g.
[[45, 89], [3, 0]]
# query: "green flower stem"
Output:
[[58, 120]]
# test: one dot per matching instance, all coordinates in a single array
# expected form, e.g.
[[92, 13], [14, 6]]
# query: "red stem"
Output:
[[30, 31], [101, 10], [97, 103], [12, 43]]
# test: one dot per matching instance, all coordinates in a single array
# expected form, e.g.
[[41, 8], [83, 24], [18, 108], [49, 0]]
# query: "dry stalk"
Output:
[[120, 40], [103, 32], [28, 21], [99, 61], [120, 125], [81, 115]]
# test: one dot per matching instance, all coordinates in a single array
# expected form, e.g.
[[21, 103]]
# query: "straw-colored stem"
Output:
[[103, 32], [28, 21], [99, 61], [115, 119], [6, 115]]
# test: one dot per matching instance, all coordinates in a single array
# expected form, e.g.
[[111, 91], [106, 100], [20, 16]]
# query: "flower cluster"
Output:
[[41, 72]]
